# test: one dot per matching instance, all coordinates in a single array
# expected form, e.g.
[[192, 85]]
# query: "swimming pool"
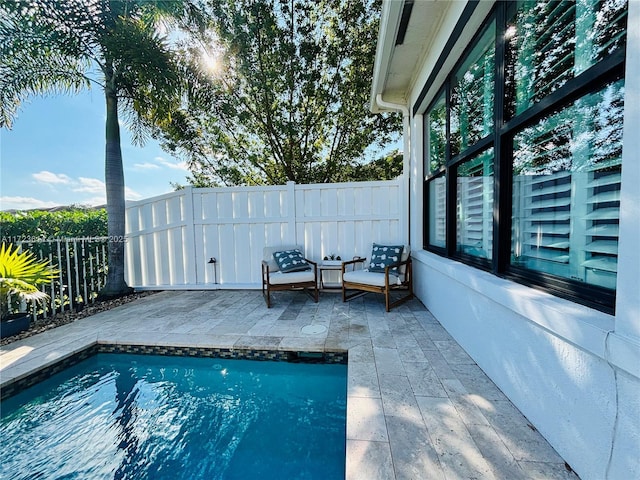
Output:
[[156, 417]]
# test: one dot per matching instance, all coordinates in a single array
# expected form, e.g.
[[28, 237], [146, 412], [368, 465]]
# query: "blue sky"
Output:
[[54, 155]]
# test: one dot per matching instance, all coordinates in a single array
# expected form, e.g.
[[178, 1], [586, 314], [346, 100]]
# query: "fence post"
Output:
[[191, 252], [69, 278], [52, 287], [75, 268], [103, 280], [291, 208], [92, 283], [60, 275], [85, 293]]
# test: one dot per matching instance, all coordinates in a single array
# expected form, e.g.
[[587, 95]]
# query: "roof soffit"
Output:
[[397, 66]]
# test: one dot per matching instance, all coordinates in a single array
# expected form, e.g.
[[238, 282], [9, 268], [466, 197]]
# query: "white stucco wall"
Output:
[[628, 305], [574, 372], [549, 356]]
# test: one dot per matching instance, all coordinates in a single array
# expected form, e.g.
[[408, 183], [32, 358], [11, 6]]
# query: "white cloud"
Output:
[[130, 194], [161, 163], [86, 191], [89, 185], [81, 184], [175, 166], [51, 178], [146, 166], [93, 185], [24, 203]]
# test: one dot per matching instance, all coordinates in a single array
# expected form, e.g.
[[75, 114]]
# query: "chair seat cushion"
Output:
[[370, 278], [279, 278]]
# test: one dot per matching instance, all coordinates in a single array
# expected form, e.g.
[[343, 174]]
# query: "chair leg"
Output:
[[408, 296], [311, 292], [265, 285], [267, 295], [401, 300], [354, 294]]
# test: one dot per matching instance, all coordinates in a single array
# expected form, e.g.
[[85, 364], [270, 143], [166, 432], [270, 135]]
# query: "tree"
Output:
[[385, 168], [117, 45], [293, 93]]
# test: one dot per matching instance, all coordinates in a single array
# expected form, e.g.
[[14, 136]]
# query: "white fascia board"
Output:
[[437, 43], [388, 30]]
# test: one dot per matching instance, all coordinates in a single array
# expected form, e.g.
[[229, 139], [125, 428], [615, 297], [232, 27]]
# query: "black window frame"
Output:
[[595, 77]]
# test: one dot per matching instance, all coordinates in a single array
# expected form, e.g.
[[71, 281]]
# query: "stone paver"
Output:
[[418, 406]]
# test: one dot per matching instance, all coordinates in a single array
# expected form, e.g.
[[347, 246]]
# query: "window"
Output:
[[436, 134], [566, 190], [536, 101], [474, 222], [472, 94], [437, 192], [550, 43]]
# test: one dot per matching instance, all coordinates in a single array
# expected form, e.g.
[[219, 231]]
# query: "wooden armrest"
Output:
[[352, 262], [396, 265], [355, 260]]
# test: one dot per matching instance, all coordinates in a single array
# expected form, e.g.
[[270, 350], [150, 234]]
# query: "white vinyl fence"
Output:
[[173, 239]]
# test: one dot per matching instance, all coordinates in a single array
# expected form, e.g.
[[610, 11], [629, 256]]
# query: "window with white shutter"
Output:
[[566, 190], [525, 141], [474, 212]]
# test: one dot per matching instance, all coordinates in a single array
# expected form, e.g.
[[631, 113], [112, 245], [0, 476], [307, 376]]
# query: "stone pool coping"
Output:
[[15, 385], [418, 407]]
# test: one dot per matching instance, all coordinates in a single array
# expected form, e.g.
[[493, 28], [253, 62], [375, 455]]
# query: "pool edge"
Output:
[[14, 385]]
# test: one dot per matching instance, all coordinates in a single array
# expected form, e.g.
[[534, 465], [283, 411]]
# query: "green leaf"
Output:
[[293, 102]]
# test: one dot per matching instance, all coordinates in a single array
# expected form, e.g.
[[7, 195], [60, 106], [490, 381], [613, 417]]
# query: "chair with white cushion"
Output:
[[388, 270], [286, 268]]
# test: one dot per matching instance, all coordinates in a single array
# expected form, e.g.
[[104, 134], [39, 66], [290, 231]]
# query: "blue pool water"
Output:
[[117, 416]]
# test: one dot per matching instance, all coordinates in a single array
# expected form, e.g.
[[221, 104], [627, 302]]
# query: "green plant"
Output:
[[128, 49], [38, 225], [20, 275], [291, 98]]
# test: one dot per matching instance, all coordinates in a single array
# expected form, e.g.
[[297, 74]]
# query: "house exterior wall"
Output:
[[170, 238], [551, 358], [573, 371]]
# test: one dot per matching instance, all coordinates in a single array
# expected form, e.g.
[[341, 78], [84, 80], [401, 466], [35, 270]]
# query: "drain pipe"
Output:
[[406, 153]]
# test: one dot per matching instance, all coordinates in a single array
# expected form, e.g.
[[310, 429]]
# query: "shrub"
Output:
[[74, 222]]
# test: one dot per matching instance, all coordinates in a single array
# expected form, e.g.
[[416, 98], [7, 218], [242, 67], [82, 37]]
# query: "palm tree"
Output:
[[125, 47]]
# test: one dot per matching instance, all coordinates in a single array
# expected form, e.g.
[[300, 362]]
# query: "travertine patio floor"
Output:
[[418, 406]]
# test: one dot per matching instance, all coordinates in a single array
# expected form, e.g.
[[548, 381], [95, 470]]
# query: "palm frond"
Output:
[[20, 274], [26, 290], [24, 266], [38, 55]]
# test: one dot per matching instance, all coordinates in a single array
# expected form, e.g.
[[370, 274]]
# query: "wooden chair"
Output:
[[273, 279], [396, 276]]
